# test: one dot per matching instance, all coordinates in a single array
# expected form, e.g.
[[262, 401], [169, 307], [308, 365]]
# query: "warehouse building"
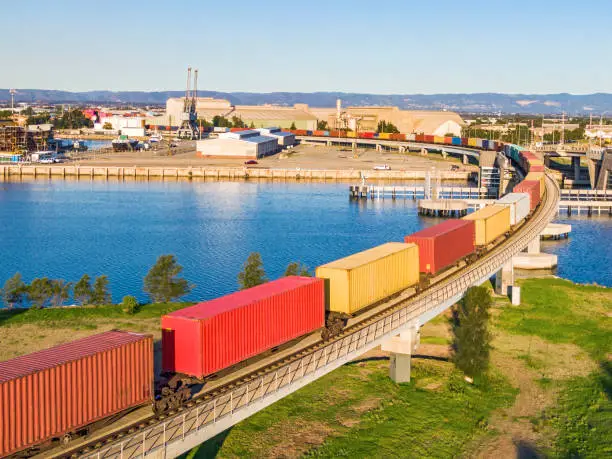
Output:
[[285, 139], [255, 116], [249, 144], [429, 122]]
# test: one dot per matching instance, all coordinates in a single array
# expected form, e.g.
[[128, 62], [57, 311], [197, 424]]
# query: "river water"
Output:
[[62, 229]]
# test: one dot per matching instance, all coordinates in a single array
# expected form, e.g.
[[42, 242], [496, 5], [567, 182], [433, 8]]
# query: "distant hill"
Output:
[[474, 103]]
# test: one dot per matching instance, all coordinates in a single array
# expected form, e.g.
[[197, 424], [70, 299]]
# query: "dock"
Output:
[[415, 192]]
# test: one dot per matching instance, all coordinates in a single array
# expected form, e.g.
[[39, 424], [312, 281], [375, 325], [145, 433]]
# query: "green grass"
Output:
[[82, 317], [435, 340], [561, 312], [357, 411]]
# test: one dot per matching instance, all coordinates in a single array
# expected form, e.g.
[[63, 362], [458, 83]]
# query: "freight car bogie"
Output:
[[334, 324]]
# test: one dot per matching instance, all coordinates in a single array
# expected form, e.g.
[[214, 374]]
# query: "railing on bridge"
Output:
[[207, 418]]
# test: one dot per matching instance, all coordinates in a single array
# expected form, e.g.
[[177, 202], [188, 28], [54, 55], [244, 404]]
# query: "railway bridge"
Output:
[[393, 325]]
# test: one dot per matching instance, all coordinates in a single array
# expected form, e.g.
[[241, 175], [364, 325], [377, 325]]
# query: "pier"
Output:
[[416, 192]]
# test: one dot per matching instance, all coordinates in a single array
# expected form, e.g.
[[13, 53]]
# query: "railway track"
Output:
[[149, 434]]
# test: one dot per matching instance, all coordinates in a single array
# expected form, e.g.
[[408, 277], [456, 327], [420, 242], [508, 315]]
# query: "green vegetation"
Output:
[[83, 291], [384, 126], [321, 125], [14, 291], [162, 283], [130, 305], [221, 121], [107, 126], [69, 119], [5, 114], [471, 337], [292, 127], [563, 313], [60, 291], [297, 269], [253, 272], [100, 294], [39, 292]]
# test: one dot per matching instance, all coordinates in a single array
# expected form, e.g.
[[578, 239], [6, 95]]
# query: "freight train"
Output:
[[70, 389]]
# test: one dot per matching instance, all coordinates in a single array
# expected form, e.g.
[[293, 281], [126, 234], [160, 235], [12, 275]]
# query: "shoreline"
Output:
[[8, 172]]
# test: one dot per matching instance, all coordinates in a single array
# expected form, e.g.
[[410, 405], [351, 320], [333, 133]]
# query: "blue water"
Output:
[[62, 229], [97, 144]]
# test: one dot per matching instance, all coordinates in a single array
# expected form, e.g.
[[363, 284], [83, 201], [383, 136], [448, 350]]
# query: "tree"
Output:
[[14, 291], [5, 114], [295, 268], [292, 127], [83, 291], [253, 272], [107, 126], [237, 122], [321, 125], [101, 294], [39, 292], [384, 126], [162, 283], [471, 336], [60, 291], [130, 305], [252, 126]]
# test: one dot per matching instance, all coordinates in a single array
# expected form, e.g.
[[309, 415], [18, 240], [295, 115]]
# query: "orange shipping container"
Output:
[[47, 394], [491, 222]]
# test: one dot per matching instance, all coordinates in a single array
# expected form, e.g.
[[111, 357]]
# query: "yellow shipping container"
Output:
[[384, 135], [472, 142], [438, 139], [366, 277], [490, 223], [538, 177], [351, 134]]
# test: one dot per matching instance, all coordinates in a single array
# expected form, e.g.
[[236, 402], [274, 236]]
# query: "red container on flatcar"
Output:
[[532, 188], [50, 393], [443, 245], [203, 339]]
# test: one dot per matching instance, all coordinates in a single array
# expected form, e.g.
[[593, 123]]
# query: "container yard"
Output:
[[55, 392], [203, 339], [490, 222], [359, 280], [443, 245]]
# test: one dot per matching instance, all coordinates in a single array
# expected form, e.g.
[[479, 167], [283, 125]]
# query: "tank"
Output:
[[519, 205], [490, 223], [361, 279], [208, 337], [63, 389], [443, 245]]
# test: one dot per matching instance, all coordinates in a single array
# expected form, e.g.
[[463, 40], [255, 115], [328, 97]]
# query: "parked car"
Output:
[[383, 167], [250, 162]]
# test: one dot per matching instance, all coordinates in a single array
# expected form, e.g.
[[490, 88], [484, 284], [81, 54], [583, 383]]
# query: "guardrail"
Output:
[[218, 413]]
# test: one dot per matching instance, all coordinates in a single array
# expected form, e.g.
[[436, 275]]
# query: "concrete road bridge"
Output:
[[393, 325]]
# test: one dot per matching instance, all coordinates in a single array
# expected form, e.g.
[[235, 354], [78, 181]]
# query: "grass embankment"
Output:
[[548, 392], [29, 330]]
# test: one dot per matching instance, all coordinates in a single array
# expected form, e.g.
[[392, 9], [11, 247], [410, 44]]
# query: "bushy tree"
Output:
[[107, 126], [101, 294], [14, 291], [60, 291], [162, 283], [471, 336], [297, 269], [40, 292], [237, 122], [83, 291], [130, 305], [384, 126], [292, 127], [252, 273]]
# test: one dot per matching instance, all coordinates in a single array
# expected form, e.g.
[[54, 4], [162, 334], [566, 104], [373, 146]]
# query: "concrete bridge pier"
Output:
[[534, 246], [401, 348], [504, 278], [576, 167]]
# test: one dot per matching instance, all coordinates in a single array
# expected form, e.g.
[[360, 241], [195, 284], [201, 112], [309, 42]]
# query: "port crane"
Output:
[[189, 126]]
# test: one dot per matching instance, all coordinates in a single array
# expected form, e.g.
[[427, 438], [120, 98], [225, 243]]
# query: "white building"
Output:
[[285, 139], [248, 144], [132, 126]]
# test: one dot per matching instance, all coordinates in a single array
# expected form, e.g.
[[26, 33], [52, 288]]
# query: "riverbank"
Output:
[[548, 390]]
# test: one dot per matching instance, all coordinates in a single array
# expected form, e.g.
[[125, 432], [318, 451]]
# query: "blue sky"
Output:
[[383, 47]]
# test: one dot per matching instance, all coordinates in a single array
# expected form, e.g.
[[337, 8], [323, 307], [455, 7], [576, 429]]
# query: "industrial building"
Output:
[[285, 139], [248, 144], [428, 122], [255, 116], [133, 126]]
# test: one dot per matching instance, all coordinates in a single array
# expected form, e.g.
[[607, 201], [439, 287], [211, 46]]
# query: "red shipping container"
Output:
[[464, 141], [532, 188], [428, 139], [210, 336], [49, 393], [420, 138], [448, 140], [536, 168], [443, 245], [318, 133]]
